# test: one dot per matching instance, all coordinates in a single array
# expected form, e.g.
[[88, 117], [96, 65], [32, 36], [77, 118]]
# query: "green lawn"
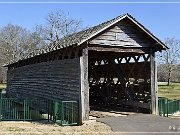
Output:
[[2, 86], [171, 92]]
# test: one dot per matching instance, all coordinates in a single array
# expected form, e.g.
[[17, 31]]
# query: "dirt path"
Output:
[[176, 115], [28, 128], [119, 125]]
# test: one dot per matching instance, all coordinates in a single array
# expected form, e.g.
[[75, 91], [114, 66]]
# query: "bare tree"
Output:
[[16, 42], [58, 24], [10, 39], [170, 57], [176, 74], [162, 75]]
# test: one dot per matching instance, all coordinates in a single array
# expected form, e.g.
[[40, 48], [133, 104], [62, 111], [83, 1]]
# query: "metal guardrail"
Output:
[[173, 106], [61, 112], [18, 109], [162, 106], [168, 107], [66, 112]]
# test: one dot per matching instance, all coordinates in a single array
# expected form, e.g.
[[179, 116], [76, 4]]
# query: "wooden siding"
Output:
[[55, 80], [123, 34]]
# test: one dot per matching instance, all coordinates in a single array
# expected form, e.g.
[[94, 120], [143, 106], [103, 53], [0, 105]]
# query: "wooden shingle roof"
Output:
[[78, 38]]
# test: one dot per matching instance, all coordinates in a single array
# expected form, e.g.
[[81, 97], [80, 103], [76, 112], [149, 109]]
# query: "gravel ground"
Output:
[[35, 128]]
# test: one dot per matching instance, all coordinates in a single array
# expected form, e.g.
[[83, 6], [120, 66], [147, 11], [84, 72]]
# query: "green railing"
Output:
[[66, 112], [16, 109], [168, 107], [61, 112], [162, 106], [2, 93], [173, 106]]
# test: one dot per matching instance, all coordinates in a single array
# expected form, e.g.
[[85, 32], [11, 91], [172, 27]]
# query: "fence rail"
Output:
[[168, 107]]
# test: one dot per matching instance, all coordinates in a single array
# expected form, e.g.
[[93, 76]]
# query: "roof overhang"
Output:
[[158, 42]]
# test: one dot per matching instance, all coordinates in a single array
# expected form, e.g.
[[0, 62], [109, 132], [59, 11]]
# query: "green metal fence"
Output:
[[162, 106], [168, 107], [61, 112], [2, 93], [66, 112], [173, 106], [8, 111], [18, 109]]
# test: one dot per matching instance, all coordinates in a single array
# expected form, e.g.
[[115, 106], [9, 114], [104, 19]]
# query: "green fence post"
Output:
[[164, 107], [0, 108], [72, 113], [48, 108], [177, 105], [167, 108], [0, 104], [173, 106], [55, 110], [1, 93], [62, 112], [51, 110], [24, 109]]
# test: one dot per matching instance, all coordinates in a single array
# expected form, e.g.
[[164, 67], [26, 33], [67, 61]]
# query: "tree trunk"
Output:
[[168, 81], [169, 77]]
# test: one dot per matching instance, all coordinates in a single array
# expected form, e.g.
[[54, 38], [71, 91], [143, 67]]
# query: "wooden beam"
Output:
[[114, 55], [153, 81], [156, 89], [84, 96], [116, 49]]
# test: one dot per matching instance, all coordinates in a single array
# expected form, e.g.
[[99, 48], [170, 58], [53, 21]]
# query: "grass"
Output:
[[171, 92], [2, 86]]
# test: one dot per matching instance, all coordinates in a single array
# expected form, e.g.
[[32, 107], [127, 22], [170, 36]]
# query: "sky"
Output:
[[162, 19]]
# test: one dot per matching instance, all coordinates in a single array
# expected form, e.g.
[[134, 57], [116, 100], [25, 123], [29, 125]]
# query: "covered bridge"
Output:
[[108, 65]]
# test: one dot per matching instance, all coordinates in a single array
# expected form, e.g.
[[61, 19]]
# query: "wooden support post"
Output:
[[156, 90], [84, 98], [154, 98]]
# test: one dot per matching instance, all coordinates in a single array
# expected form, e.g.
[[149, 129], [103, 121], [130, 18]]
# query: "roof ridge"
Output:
[[80, 37], [90, 28]]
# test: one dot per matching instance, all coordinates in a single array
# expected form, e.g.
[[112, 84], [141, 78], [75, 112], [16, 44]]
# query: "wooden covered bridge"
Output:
[[108, 65]]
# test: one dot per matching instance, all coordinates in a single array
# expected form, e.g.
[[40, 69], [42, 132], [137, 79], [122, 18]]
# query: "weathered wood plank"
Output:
[[153, 89], [122, 43], [156, 89], [53, 80], [84, 85], [123, 35], [113, 49]]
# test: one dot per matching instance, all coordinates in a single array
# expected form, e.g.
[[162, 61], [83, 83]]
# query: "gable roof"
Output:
[[83, 36]]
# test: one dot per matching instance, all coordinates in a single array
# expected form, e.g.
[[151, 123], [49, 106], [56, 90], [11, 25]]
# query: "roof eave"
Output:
[[124, 16], [135, 22], [147, 32]]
